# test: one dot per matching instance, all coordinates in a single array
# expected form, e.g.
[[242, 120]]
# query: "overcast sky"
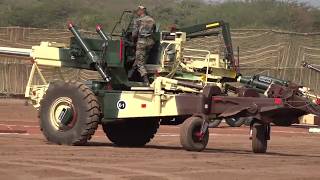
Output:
[[310, 2]]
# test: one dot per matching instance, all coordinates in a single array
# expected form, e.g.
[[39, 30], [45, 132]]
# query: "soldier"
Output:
[[143, 29]]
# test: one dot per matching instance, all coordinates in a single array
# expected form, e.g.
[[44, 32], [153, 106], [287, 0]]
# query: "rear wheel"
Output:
[[259, 138], [248, 121], [69, 113], [131, 133], [283, 122], [214, 123], [190, 137], [235, 122]]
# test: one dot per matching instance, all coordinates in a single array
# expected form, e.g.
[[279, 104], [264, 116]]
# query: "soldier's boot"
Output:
[[146, 80], [131, 72]]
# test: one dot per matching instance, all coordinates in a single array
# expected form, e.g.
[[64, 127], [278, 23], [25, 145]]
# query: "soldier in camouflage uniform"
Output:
[[143, 28]]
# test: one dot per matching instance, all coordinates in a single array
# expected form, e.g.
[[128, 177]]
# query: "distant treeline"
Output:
[[277, 14]]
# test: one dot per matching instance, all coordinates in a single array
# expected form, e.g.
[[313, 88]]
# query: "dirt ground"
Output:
[[293, 154]]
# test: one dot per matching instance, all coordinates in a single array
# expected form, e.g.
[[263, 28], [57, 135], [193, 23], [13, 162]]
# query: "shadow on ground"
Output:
[[208, 150]]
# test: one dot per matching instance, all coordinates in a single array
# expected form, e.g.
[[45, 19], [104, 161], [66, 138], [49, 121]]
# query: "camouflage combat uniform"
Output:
[[143, 29]]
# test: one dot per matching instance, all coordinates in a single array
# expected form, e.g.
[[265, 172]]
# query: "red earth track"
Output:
[[293, 154]]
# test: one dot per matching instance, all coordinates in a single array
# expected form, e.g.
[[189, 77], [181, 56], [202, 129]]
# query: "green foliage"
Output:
[[285, 15]]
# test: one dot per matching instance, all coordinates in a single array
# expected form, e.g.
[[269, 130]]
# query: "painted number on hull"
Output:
[[121, 105]]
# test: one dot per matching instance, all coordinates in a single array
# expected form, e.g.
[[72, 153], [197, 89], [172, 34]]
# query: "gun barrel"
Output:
[[15, 51], [189, 84], [91, 54], [260, 82], [309, 66]]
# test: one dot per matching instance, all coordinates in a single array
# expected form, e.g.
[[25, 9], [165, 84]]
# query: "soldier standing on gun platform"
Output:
[[143, 29]]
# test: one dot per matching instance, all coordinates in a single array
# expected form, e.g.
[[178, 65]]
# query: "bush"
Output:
[[285, 15]]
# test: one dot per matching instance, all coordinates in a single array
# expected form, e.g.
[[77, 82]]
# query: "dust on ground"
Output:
[[292, 154]]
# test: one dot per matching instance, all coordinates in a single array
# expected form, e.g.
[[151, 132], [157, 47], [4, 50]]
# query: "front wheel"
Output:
[[69, 113], [190, 137]]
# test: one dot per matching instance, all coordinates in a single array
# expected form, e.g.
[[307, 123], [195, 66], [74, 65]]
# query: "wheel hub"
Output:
[[199, 136], [62, 114]]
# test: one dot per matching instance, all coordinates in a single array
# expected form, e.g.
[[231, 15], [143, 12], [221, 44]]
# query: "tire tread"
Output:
[[93, 109]]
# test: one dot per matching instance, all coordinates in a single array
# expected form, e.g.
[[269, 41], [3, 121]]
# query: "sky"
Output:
[[310, 2]]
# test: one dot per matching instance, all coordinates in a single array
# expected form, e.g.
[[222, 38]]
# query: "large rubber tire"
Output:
[[259, 138], [283, 122], [235, 122], [189, 139], [215, 123], [85, 117], [248, 121], [173, 120], [131, 133]]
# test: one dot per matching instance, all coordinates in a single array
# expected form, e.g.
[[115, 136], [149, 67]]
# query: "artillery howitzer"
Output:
[[185, 87]]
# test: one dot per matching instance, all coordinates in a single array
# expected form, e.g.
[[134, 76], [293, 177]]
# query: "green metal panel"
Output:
[[109, 104], [119, 77], [94, 44], [113, 54]]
